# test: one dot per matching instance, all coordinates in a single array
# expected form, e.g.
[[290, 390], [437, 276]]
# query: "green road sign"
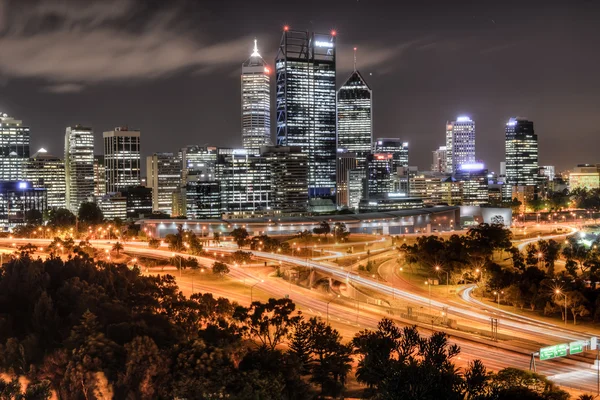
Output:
[[576, 347], [559, 350]]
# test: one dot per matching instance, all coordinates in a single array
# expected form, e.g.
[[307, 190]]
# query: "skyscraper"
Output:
[[346, 162], [163, 177], [355, 118], [380, 169], [397, 148], [460, 143], [289, 172], [46, 171], [14, 148], [122, 158], [521, 153], [256, 104], [79, 165], [306, 102], [439, 160]]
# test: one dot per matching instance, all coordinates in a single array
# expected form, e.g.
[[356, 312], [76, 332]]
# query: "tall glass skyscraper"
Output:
[[306, 102], [256, 104], [397, 148], [460, 143], [355, 118], [14, 148], [46, 171], [122, 158], [79, 165], [521, 153]]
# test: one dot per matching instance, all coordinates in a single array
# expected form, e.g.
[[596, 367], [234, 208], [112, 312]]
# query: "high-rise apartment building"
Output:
[[256, 103], [460, 143], [14, 148], [79, 165], [46, 171], [355, 118], [122, 158], [439, 160], [521, 154], [163, 172], [306, 103]]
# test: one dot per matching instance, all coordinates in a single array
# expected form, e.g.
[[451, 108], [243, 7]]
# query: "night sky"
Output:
[[171, 68]]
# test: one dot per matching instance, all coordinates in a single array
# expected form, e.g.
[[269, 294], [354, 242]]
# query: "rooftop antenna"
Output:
[[355, 59], [255, 52]]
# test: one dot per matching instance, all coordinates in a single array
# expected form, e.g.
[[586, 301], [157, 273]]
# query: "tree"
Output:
[[340, 232], [61, 218], [33, 217], [550, 251], [217, 237], [323, 229], [240, 235], [117, 247], [220, 268], [89, 213], [241, 257], [154, 243]]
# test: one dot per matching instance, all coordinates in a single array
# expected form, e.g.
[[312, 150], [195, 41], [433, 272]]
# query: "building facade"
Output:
[[198, 163], [380, 169], [346, 162], [474, 178], [163, 172], [46, 171], [306, 103], [289, 178], [122, 158], [439, 160], [584, 176], [139, 201], [14, 148], [99, 176], [521, 153], [256, 103], [397, 148], [79, 166], [460, 143], [16, 199], [355, 118]]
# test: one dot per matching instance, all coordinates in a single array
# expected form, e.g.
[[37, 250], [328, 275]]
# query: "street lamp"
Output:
[[328, 307], [498, 296], [557, 291], [437, 268], [252, 287], [429, 284]]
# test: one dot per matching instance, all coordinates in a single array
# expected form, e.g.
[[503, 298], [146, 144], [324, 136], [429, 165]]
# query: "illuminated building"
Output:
[[460, 143], [389, 202], [345, 163], [14, 147], [380, 168], [198, 163], [288, 167], [439, 160], [355, 118], [584, 176], [474, 178], [99, 176], [46, 171], [548, 172], [122, 158], [79, 166], [397, 148], [163, 177], [139, 201], [306, 103], [256, 103], [202, 199], [521, 154], [356, 187], [113, 206], [244, 182], [16, 199]]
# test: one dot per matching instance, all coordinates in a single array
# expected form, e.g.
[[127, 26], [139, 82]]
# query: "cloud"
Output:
[[64, 88], [72, 44]]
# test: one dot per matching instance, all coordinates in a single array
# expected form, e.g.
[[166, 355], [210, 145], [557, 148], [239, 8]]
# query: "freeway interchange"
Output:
[[349, 315]]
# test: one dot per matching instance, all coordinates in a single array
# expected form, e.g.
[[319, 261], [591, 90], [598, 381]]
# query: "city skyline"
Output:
[[489, 89]]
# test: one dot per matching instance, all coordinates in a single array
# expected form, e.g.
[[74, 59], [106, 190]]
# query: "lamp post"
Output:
[[328, 307], [498, 296], [429, 285], [173, 254], [557, 291], [437, 268], [252, 287]]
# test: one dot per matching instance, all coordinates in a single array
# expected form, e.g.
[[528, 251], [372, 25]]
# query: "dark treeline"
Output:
[[89, 330]]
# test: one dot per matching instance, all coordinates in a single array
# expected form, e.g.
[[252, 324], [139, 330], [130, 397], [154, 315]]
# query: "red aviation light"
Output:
[[333, 33], [267, 70], [286, 28]]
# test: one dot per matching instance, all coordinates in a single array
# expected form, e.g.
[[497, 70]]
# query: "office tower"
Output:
[[306, 91], [521, 154], [139, 201], [548, 172], [198, 163], [202, 199], [244, 182], [14, 147], [460, 143], [16, 199], [99, 176], [439, 160], [397, 148], [356, 187], [256, 103], [585, 176], [345, 162], [113, 206], [474, 178], [79, 166], [163, 177], [46, 171], [380, 170], [122, 158], [355, 117], [289, 178]]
